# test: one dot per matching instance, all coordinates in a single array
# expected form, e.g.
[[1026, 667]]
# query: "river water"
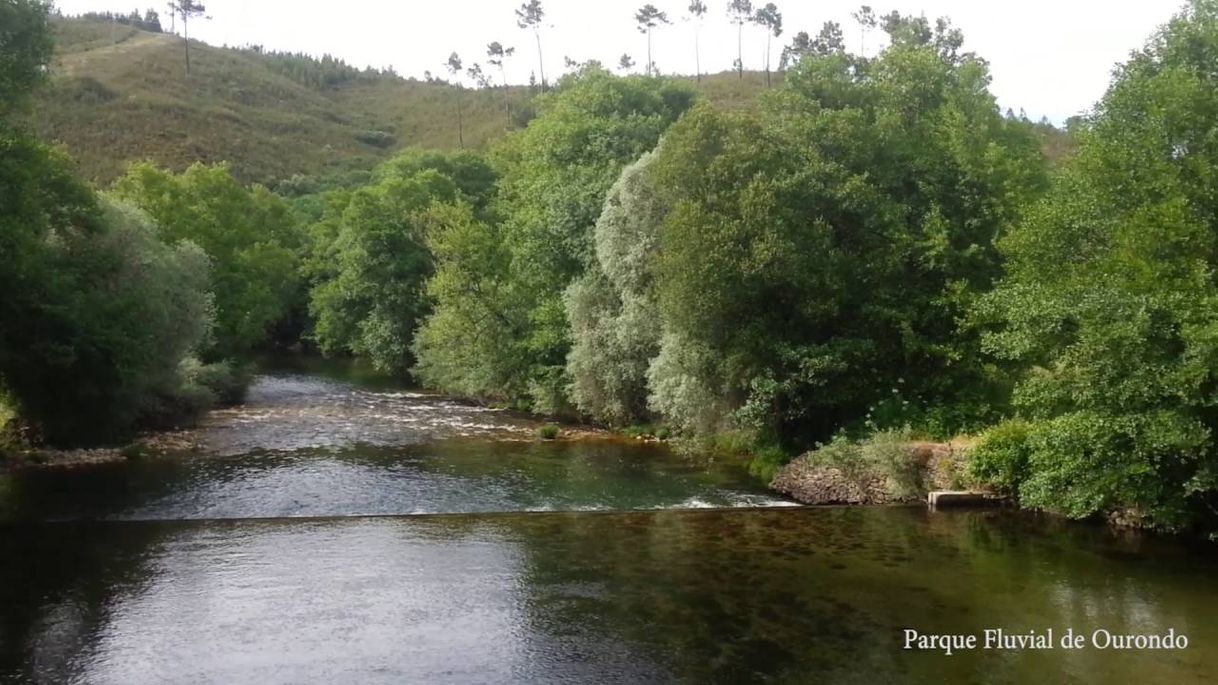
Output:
[[337, 529]]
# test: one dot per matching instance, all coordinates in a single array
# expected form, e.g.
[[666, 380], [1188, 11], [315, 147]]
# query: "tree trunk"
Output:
[[767, 61], [541, 64], [460, 121], [186, 42], [697, 57], [649, 52], [507, 105], [740, 51]]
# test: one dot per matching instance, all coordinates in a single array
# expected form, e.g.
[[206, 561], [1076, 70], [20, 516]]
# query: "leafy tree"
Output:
[[25, 50], [370, 256], [817, 256], [553, 179], [99, 313], [648, 17], [372, 306], [612, 308], [187, 9], [697, 10], [625, 62], [800, 45], [769, 18], [740, 12], [1108, 303], [867, 21], [530, 15], [250, 236]]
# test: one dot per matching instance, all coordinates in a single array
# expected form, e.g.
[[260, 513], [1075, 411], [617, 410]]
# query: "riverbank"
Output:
[[888, 469]]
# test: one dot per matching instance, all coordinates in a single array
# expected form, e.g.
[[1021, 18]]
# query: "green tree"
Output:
[[612, 308], [867, 21], [99, 314], [497, 56], [647, 18], [187, 10], [769, 18], [251, 236], [817, 256], [370, 257], [697, 10], [25, 51], [373, 304], [1109, 300], [553, 180], [740, 12], [530, 16], [453, 65]]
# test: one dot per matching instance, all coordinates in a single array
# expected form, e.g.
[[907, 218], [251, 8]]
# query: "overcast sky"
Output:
[[1051, 57]]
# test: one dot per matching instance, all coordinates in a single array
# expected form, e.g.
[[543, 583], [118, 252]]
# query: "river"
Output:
[[339, 529]]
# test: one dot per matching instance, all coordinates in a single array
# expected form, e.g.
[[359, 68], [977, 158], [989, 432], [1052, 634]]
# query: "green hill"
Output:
[[118, 94]]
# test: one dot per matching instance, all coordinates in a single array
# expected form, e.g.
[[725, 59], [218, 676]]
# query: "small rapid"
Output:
[[308, 446]]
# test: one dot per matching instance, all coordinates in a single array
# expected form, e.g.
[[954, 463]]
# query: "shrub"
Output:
[[549, 431], [1000, 457], [885, 453], [767, 461], [379, 139]]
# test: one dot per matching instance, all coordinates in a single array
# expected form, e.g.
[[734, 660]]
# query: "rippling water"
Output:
[[334, 532]]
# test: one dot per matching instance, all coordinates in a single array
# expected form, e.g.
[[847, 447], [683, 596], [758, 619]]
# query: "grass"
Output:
[[550, 431]]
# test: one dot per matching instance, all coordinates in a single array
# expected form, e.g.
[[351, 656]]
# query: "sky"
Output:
[[1051, 58]]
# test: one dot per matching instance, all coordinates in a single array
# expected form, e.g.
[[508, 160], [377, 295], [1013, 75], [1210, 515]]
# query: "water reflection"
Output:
[[711, 596]]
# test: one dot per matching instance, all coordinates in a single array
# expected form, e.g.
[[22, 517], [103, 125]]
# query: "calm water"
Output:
[[333, 532]]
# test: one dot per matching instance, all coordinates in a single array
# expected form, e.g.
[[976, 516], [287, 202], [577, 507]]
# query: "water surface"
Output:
[[335, 531]]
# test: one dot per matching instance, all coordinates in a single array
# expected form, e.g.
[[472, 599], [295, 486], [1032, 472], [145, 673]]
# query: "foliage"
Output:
[[371, 304], [612, 309], [251, 236], [472, 342], [553, 180], [1000, 457], [25, 48], [821, 251], [99, 313], [885, 453], [1110, 298], [549, 431]]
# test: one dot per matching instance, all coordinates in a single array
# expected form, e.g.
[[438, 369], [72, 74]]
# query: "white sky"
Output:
[[1051, 57]]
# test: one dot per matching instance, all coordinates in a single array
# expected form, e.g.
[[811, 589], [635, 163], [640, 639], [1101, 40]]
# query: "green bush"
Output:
[[767, 461], [379, 139], [885, 453], [1000, 457], [549, 431]]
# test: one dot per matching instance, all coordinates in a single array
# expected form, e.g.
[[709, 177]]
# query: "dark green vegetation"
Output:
[[119, 310], [1109, 301], [870, 247]]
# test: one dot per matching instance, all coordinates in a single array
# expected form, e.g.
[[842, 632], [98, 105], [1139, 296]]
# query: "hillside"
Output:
[[119, 94]]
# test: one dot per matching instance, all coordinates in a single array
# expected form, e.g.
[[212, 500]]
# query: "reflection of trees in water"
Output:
[[58, 585]]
